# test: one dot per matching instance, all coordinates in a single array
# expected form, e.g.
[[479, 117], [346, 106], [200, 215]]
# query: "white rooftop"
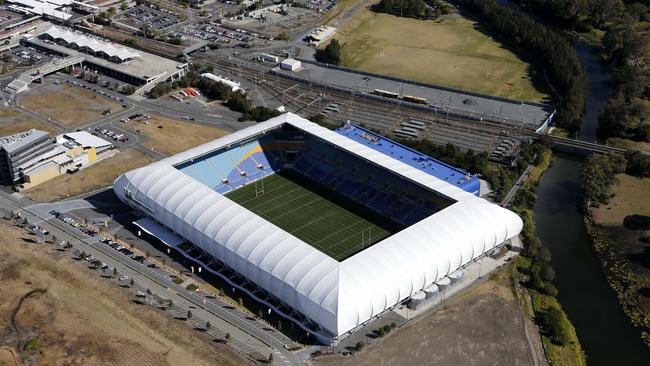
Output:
[[339, 296], [86, 139], [93, 44]]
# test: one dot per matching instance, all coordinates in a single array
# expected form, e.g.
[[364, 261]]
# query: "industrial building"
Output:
[[320, 35], [234, 86], [32, 157], [20, 149], [118, 61], [53, 9], [444, 225], [290, 64]]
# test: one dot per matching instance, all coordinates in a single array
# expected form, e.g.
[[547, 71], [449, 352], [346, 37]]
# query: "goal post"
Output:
[[366, 237], [259, 188]]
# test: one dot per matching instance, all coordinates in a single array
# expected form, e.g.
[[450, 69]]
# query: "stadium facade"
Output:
[[444, 224]]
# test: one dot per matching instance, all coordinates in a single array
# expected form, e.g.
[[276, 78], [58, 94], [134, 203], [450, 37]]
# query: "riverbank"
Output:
[[561, 344], [624, 248]]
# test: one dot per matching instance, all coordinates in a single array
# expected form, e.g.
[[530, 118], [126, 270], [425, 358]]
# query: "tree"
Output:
[[359, 346], [207, 325], [331, 54], [131, 282], [270, 359], [123, 6], [228, 337], [114, 271], [241, 302], [189, 314], [553, 323], [54, 239]]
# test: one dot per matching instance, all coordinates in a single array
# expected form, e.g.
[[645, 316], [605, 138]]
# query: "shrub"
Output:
[[33, 345], [360, 345]]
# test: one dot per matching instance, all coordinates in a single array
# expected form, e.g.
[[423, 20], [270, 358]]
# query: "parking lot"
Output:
[[22, 56], [213, 31], [151, 16]]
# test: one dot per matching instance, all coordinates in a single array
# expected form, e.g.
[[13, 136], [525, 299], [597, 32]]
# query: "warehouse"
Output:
[[440, 232], [234, 86]]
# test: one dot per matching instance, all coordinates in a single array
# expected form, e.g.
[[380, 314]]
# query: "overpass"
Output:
[[21, 83], [577, 146]]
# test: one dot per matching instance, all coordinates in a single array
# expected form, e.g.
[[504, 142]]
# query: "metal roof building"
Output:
[[338, 296], [90, 45]]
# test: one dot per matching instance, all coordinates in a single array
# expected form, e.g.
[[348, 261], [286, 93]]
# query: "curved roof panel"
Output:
[[339, 296]]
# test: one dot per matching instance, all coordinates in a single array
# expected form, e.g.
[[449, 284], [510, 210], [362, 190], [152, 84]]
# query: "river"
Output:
[[604, 331]]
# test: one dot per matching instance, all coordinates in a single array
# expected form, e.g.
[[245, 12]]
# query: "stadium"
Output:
[[336, 226]]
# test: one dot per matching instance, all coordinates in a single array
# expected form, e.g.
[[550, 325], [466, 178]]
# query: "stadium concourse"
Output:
[[332, 227]]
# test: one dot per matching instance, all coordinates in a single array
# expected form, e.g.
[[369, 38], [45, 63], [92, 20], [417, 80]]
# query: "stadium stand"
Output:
[[429, 165], [405, 203]]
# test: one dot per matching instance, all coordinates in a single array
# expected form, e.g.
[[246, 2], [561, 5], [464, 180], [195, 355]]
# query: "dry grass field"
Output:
[[96, 176], [54, 311], [13, 122], [629, 144], [171, 137], [483, 326], [631, 196], [450, 52], [67, 105]]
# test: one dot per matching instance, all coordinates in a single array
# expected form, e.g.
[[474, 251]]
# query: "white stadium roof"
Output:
[[339, 296]]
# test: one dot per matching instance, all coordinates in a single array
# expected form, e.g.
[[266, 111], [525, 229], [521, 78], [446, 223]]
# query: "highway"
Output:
[[247, 335]]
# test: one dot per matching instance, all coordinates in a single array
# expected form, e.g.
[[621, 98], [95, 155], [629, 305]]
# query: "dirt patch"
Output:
[[81, 319], [450, 52], [13, 122], [481, 327], [68, 105], [631, 195], [101, 174], [172, 136]]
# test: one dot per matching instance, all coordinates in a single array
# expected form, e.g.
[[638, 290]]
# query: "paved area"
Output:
[[446, 99], [247, 335]]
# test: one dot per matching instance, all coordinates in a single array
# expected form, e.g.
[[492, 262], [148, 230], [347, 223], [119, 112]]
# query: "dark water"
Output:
[[605, 333], [599, 89]]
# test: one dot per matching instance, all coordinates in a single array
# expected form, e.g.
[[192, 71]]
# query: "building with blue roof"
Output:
[[452, 175]]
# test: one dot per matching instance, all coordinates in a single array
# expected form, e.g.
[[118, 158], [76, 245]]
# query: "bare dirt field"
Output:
[[14, 122], [68, 105], [631, 195], [484, 326], [629, 144], [96, 176], [451, 52], [171, 136], [56, 312]]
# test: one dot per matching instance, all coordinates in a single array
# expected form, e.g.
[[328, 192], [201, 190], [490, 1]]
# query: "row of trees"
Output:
[[624, 46], [331, 54], [428, 9], [560, 59], [625, 115], [237, 101], [599, 172]]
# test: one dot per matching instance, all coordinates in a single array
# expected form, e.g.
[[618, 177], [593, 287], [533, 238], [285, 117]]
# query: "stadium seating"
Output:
[[374, 187]]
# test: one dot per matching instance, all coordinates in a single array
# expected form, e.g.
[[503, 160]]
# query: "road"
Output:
[[247, 335]]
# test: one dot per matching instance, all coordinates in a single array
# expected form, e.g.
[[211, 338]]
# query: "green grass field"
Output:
[[453, 51], [318, 216]]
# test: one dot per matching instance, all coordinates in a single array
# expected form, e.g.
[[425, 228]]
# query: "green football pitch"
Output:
[[324, 219]]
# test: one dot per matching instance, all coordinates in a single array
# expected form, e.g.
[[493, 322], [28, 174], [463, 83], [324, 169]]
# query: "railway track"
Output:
[[309, 98]]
